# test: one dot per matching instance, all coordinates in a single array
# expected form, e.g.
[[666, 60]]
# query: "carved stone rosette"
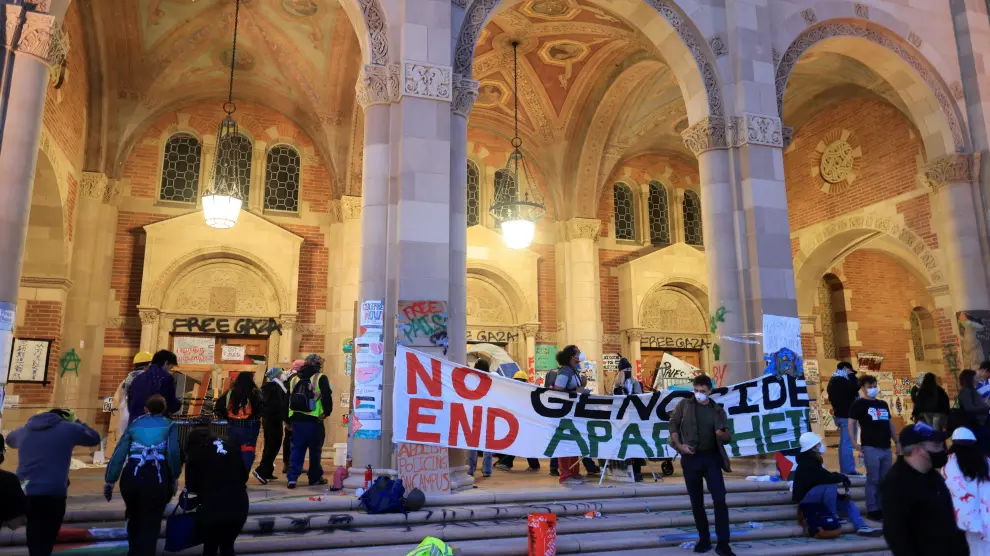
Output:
[[530, 330], [465, 93], [706, 135], [378, 85], [149, 316], [426, 81], [350, 207], [42, 38], [583, 228], [287, 321], [953, 168]]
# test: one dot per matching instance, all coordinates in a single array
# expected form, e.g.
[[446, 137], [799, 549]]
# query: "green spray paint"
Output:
[[716, 319]]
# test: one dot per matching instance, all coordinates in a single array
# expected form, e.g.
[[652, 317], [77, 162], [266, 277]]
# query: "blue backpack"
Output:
[[819, 523], [384, 496]]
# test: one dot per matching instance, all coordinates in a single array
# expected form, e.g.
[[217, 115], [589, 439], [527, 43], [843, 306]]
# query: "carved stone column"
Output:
[[951, 178], [36, 41], [288, 343], [578, 287], [635, 351], [149, 328]]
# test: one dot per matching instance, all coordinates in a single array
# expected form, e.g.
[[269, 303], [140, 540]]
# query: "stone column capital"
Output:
[[754, 129], [582, 228], [40, 37], [350, 207], [635, 334], [426, 80], [378, 85], [465, 93], [952, 168], [149, 315], [288, 321], [530, 330], [97, 186], [706, 135]]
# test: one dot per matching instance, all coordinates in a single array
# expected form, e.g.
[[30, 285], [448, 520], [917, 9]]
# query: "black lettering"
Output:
[[223, 326], [643, 411], [208, 324], [273, 326], [794, 389], [744, 405], [662, 412], [194, 323], [536, 398], [769, 403], [585, 400], [241, 326], [179, 324]]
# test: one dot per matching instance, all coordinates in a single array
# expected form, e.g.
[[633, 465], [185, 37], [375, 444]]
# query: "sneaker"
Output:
[[258, 476], [291, 485], [502, 467], [554, 473], [869, 532], [272, 478], [532, 469], [724, 551], [702, 547], [594, 470], [486, 475], [855, 474], [875, 515], [320, 481]]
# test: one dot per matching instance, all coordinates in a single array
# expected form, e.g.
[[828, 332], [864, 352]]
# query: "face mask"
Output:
[[821, 448], [581, 358], [700, 397], [872, 392], [939, 459]]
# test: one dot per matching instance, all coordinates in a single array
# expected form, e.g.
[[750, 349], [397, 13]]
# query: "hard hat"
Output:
[[142, 357], [521, 375], [809, 440]]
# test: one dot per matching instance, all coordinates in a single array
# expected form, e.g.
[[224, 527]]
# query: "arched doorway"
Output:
[[672, 320], [491, 318]]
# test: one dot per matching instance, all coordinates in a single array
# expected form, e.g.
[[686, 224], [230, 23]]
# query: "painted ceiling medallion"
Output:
[[491, 94], [300, 8], [564, 53], [244, 61], [551, 9], [837, 162]]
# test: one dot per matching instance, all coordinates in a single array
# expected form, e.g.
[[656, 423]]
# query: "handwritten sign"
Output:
[[610, 362], [546, 357], [811, 372], [372, 314], [194, 350], [108, 404], [672, 371], [222, 325], [422, 323], [233, 353], [781, 332], [424, 467], [29, 360]]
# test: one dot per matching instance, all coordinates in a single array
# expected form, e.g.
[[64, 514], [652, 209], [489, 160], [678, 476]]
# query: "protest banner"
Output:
[[781, 332], [673, 373], [441, 403]]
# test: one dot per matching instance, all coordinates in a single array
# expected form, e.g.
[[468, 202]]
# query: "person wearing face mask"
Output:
[[976, 408], [699, 432], [629, 386], [967, 474], [813, 484], [917, 507], [843, 389], [568, 379], [876, 431]]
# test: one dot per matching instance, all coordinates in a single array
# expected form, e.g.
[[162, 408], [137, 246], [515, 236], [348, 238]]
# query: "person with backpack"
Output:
[[276, 397], [215, 473], [287, 437], [310, 402], [570, 354], [241, 407], [630, 387], [148, 464], [813, 484]]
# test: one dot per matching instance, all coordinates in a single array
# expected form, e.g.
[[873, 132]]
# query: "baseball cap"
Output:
[[920, 432]]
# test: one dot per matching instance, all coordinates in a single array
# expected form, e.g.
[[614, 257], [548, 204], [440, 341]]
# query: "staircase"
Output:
[[646, 518]]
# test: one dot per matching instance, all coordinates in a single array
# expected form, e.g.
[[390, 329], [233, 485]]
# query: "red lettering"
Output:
[[491, 443], [414, 369], [459, 421], [460, 373], [413, 434]]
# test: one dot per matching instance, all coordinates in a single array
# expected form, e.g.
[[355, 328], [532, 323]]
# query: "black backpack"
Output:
[[302, 398]]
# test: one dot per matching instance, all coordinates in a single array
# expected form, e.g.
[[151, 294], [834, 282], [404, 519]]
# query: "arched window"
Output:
[[832, 310], [625, 223], [282, 179], [923, 332], [241, 147], [180, 169], [659, 214], [473, 194], [692, 219], [506, 191]]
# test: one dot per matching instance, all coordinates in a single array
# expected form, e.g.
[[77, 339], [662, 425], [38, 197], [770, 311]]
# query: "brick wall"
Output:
[[314, 260], [66, 108], [43, 320], [546, 287], [609, 292], [888, 166]]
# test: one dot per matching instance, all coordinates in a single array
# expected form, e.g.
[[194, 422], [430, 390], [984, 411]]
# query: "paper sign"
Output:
[[11, 402], [781, 332], [7, 315], [194, 350], [108, 404], [610, 362], [424, 467], [29, 360], [811, 371], [546, 357], [233, 353], [372, 314]]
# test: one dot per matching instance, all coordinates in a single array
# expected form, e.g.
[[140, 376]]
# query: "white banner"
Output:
[[441, 403], [672, 371]]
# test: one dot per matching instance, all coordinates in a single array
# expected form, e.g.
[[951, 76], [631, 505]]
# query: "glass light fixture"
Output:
[[517, 204], [224, 194]]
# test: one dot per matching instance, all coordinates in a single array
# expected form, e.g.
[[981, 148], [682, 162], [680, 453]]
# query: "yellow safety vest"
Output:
[[318, 407], [432, 546]]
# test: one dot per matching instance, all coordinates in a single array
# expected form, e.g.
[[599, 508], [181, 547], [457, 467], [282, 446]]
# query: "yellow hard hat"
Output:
[[142, 357], [521, 375]]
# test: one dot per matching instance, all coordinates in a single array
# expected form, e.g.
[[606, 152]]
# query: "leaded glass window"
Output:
[[917, 336], [625, 224], [241, 147], [473, 195], [692, 219], [180, 169], [659, 214], [282, 179]]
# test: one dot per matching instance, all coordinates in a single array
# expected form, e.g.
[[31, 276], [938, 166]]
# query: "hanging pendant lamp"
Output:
[[517, 204], [224, 194]]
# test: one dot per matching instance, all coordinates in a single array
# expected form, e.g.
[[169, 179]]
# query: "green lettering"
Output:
[[566, 432], [769, 432], [598, 432], [739, 438], [660, 441], [632, 436]]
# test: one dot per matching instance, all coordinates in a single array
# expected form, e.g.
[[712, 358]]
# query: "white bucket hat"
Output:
[[809, 440]]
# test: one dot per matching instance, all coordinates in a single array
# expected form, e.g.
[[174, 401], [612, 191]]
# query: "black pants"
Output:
[[534, 463], [286, 450], [220, 535], [273, 441], [44, 519], [707, 467], [145, 498]]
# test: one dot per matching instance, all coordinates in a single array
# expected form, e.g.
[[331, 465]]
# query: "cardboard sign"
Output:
[[811, 373], [29, 360], [372, 314], [194, 350], [610, 362], [233, 353], [546, 357], [672, 371], [781, 332], [424, 467], [108, 404]]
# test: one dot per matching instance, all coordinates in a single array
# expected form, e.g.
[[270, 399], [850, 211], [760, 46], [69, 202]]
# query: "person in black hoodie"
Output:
[[216, 474], [813, 484], [276, 398], [241, 407], [931, 403], [843, 389], [13, 511]]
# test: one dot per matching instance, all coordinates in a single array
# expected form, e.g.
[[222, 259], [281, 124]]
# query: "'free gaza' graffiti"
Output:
[[224, 326], [674, 342]]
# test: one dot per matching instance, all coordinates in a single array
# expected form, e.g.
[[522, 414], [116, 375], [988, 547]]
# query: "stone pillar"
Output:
[[35, 40], [86, 307], [464, 94], [579, 304], [529, 333], [149, 328], [635, 351], [951, 178], [288, 342]]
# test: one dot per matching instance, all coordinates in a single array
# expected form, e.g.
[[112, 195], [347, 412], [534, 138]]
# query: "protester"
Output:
[[44, 446], [13, 511], [310, 402], [917, 507], [699, 432], [983, 379], [976, 408], [843, 389], [967, 475], [287, 439], [120, 399], [631, 387], [505, 462], [241, 407], [551, 379], [156, 379], [148, 464], [931, 403], [216, 474], [472, 460], [276, 403], [813, 484], [876, 432], [568, 379]]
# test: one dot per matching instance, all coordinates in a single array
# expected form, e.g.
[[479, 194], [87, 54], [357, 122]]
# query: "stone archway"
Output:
[[369, 22], [496, 312], [46, 252]]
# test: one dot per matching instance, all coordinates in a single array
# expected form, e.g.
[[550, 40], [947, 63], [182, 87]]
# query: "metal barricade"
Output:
[[186, 424]]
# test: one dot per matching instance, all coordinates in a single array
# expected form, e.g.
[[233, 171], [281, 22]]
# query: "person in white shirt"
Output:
[[967, 474]]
